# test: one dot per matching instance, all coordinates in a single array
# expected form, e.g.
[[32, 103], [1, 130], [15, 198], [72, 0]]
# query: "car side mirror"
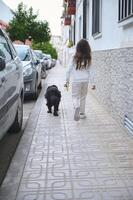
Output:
[[37, 62], [2, 64]]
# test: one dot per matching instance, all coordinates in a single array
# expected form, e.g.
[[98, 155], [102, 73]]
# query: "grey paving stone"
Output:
[[60, 159]]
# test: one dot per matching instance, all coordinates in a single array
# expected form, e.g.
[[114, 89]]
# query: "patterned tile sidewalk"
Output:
[[60, 159]]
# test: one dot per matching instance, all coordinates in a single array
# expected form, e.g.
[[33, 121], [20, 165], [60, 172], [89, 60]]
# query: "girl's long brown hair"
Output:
[[82, 57]]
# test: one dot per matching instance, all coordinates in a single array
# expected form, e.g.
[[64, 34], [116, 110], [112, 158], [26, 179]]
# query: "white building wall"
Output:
[[56, 41], [65, 38], [112, 58], [79, 20], [5, 12], [113, 34]]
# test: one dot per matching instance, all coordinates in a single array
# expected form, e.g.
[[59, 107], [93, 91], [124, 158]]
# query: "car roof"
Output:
[[1, 30], [4, 33], [21, 45], [39, 51]]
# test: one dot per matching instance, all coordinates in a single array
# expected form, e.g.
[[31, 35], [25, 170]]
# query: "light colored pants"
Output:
[[79, 93]]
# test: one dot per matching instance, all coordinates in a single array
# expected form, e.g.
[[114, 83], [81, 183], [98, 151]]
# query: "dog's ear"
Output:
[[45, 95]]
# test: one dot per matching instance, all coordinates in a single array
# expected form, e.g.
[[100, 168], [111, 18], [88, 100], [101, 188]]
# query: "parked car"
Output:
[[53, 62], [48, 61], [31, 70], [40, 56], [45, 58], [11, 87]]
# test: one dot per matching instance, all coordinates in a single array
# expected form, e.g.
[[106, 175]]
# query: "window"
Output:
[[33, 55], [13, 51], [74, 32], [125, 9], [23, 53], [84, 17], [4, 49], [96, 17], [70, 34], [80, 36]]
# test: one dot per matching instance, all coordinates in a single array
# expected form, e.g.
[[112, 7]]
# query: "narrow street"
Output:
[[60, 159]]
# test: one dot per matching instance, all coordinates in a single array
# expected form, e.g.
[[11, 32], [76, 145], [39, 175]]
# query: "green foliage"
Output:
[[41, 32], [47, 48], [25, 24]]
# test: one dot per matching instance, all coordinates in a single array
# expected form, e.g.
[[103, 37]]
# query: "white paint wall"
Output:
[[114, 35], [65, 38], [112, 59], [79, 20], [5, 12]]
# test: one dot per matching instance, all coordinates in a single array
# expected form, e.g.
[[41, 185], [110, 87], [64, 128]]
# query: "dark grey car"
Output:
[[11, 87], [40, 56], [31, 70]]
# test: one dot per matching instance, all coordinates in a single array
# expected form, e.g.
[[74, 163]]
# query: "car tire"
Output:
[[17, 124], [40, 85], [36, 93]]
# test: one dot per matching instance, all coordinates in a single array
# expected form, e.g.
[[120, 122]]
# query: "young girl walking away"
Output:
[[80, 70]]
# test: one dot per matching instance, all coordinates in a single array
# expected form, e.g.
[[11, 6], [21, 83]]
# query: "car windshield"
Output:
[[39, 55], [23, 53]]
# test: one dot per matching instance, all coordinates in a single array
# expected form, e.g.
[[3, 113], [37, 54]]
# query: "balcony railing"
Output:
[[71, 9]]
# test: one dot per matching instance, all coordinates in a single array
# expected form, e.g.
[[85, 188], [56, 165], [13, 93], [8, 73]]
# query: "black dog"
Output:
[[53, 97]]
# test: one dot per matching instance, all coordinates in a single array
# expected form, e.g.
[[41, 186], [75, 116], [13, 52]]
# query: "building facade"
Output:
[[108, 26], [68, 31], [56, 41]]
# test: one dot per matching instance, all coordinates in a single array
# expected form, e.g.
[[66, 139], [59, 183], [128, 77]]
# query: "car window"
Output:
[[34, 57], [39, 55], [12, 49], [4, 49], [23, 53]]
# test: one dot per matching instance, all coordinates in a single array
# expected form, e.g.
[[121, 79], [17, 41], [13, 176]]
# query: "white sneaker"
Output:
[[82, 116], [76, 114]]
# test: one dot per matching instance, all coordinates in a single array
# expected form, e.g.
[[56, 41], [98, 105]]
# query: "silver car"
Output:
[[31, 70], [11, 87], [40, 56]]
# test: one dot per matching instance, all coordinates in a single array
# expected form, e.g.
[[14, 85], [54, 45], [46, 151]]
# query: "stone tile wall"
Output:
[[114, 81]]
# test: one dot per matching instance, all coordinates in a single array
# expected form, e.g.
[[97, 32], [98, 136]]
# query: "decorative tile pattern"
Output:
[[67, 160]]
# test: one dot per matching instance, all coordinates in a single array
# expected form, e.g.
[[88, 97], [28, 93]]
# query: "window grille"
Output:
[[125, 9], [96, 16], [128, 124], [84, 18]]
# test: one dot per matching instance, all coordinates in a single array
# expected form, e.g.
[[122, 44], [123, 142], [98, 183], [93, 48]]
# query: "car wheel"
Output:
[[17, 124], [40, 85], [36, 93]]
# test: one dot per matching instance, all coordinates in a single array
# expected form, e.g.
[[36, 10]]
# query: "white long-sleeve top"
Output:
[[79, 75]]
